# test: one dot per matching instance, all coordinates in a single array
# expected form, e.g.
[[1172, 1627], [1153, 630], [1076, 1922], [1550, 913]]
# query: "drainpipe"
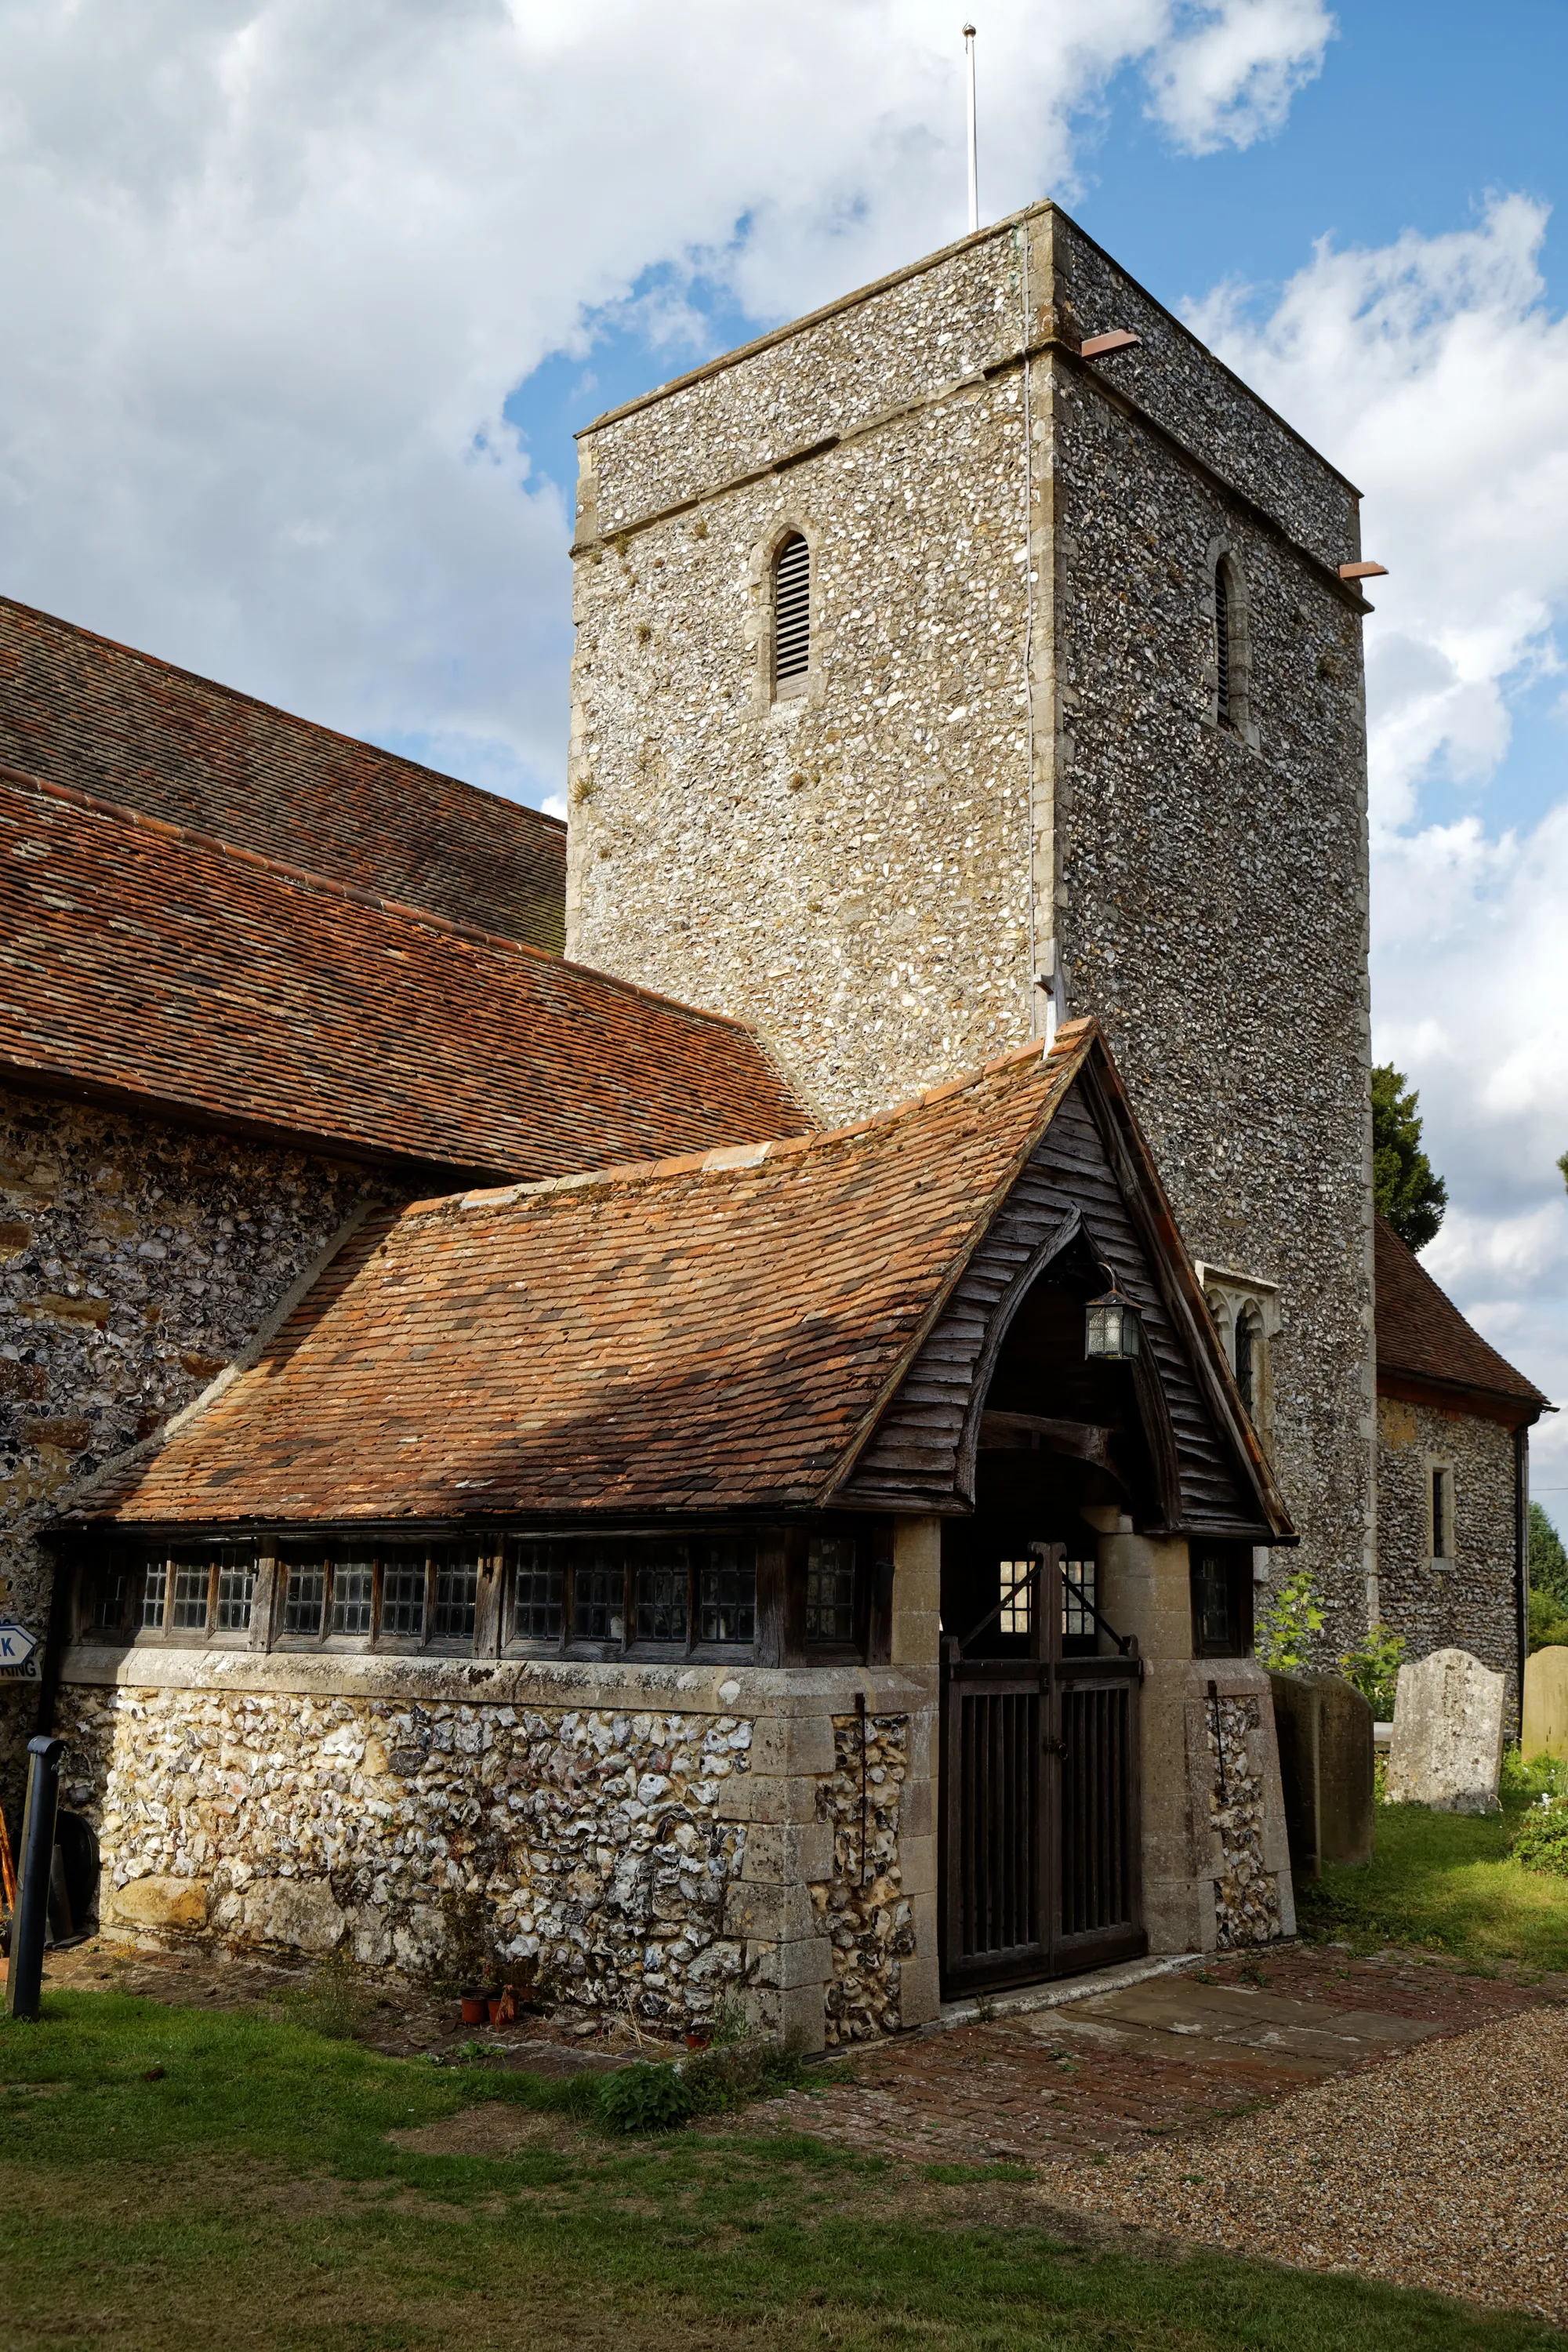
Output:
[[1521, 1553]]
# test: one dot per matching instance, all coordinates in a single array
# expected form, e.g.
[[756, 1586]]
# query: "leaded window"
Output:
[[457, 1600], [727, 1588], [188, 1596], [353, 1596], [1017, 1615], [830, 1589], [403, 1600], [154, 1593], [236, 1595], [661, 1594], [1077, 1600], [110, 1592], [305, 1598], [599, 1600], [538, 1593], [1222, 1599]]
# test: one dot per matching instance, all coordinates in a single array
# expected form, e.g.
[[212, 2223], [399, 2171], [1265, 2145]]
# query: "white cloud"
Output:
[[1230, 79], [270, 269], [1434, 373]]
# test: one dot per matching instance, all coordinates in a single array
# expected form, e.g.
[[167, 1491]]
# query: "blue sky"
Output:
[[304, 303], [1411, 123]]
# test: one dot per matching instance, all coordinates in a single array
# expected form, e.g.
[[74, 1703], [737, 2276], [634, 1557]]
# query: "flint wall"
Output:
[[136, 1260], [1466, 1603], [645, 1838]]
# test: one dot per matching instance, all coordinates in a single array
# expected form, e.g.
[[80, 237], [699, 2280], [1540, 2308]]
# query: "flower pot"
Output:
[[476, 2008], [698, 2040]]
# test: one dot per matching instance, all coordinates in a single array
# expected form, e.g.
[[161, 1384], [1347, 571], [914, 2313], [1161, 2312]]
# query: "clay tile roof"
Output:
[[720, 1336], [78, 709], [137, 964], [1422, 1334]]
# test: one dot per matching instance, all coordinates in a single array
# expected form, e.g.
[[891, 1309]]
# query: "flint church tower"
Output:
[[979, 652]]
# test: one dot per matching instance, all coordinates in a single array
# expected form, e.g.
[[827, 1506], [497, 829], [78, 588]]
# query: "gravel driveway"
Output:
[[1444, 2168]]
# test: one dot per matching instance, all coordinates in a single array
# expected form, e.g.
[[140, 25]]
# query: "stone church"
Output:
[[742, 1457]]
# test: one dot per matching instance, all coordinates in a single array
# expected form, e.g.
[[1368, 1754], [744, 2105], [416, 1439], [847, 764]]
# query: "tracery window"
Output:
[[1249, 1361]]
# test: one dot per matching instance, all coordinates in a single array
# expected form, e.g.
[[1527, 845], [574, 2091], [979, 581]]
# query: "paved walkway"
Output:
[[1154, 2061]]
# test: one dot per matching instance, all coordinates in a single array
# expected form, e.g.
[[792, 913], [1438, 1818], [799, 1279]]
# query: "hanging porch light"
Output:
[[1111, 1333]]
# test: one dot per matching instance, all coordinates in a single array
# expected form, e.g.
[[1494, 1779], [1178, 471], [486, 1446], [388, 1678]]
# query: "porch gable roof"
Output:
[[715, 1333]]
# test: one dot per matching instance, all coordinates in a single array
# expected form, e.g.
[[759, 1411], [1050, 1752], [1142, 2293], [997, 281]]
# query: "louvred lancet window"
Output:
[[792, 616]]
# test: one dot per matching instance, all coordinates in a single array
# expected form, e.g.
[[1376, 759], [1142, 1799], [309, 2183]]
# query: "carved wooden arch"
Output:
[[1158, 1432]]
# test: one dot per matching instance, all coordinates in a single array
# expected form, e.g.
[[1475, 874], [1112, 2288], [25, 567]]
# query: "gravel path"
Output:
[[1446, 2168]]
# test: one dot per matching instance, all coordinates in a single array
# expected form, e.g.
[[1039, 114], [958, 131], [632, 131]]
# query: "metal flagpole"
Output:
[[974, 149]]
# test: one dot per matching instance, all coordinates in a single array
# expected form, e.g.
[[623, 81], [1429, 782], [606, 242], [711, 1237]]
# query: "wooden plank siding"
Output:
[[916, 1455]]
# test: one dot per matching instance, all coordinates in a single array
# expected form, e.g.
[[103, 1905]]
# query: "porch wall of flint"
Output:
[[652, 1837], [1216, 1862]]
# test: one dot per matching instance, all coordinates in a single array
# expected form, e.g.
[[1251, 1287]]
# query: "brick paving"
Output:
[[1078, 2080]]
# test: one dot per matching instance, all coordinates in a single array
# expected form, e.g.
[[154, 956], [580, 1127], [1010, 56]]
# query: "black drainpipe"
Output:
[[1521, 1553]]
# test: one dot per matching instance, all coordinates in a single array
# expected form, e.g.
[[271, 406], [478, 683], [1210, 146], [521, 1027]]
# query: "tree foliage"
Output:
[[1408, 1193], [1548, 1560], [1548, 1583], [1286, 1630]]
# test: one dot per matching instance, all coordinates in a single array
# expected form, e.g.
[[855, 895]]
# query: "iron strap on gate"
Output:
[[1041, 1817]]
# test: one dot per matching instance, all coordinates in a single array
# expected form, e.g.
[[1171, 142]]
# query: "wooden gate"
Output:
[[1041, 1864]]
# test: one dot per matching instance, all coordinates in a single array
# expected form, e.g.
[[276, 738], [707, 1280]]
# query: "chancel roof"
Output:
[[1422, 1336], [139, 964], [78, 709], [712, 1334]]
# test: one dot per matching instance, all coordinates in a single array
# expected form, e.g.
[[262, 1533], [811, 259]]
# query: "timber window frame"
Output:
[[749, 1594], [636, 1596], [200, 1595], [397, 1599], [1221, 1582]]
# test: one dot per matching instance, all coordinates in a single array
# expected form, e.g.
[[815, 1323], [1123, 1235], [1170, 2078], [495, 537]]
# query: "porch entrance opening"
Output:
[[1041, 1835]]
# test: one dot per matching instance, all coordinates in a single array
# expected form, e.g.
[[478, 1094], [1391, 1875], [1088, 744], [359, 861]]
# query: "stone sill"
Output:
[[721, 1689]]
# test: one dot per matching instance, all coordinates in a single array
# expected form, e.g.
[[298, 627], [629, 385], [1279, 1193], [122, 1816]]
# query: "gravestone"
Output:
[[1324, 1730], [1545, 1730], [1446, 1750]]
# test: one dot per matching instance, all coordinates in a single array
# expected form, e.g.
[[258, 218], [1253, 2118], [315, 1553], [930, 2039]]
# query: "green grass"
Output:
[[173, 2179], [1446, 1881]]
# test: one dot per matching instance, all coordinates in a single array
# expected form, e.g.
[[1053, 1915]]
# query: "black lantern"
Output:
[[1110, 1327]]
